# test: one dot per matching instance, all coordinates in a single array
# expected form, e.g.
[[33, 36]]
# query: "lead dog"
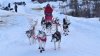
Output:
[[42, 40], [31, 35], [56, 37]]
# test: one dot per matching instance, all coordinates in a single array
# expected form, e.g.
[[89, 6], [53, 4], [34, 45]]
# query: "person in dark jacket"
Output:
[[9, 5], [16, 7]]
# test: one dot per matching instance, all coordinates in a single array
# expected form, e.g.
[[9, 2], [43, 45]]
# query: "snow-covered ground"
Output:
[[83, 38]]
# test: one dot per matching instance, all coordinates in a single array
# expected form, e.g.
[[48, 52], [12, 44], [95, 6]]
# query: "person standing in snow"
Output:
[[9, 5], [15, 7], [48, 13]]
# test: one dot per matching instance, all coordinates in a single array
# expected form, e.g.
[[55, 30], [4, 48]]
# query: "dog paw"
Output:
[[43, 49]]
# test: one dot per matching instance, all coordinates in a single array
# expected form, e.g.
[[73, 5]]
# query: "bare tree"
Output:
[[74, 5]]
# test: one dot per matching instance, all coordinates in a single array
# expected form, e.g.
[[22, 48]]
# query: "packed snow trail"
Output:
[[80, 41]]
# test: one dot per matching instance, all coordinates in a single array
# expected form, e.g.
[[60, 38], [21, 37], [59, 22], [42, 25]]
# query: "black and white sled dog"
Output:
[[48, 26], [42, 40], [43, 23], [66, 24], [56, 37], [31, 35], [41, 37]]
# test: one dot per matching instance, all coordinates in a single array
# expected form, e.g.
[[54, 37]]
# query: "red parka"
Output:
[[48, 13]]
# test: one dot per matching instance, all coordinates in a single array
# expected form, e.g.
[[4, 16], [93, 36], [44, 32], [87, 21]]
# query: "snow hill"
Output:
[[83, 38]]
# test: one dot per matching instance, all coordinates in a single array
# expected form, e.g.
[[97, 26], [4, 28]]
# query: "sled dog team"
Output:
[[41, 37]]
